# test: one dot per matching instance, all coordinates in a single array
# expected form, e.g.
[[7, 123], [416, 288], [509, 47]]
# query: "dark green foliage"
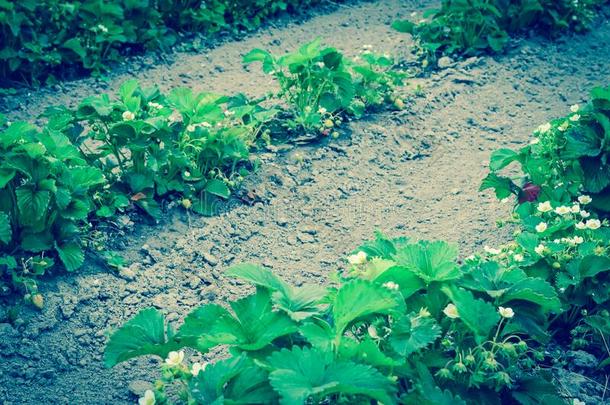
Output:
[[472, 27], [40, 38]]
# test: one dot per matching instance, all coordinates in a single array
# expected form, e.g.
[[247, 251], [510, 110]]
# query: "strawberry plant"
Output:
[[45, 38], [562, 215], [404, 325], [45, 202], [568, 157], [321, 86], [151, 146], [474, 27]]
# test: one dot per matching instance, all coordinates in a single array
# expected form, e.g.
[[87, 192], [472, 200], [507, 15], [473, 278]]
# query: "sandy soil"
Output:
[[414, 172]]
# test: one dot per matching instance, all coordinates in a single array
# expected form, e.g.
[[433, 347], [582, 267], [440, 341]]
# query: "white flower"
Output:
[[575, 108], [175, 358], [161, 145], [322, 110], [102, 28], [518, 257], [541, 227], [206, 124], [367, 46], [578, 240], [506, 312], [540, 249], [534, 141], [148, 398], [128, 116], [320, 64], [562, 210], [580, 225], [190, 128], [197, 367], [584, 199], [229, 113], [390, 285], [585, 214], [564, 126], [544, 128], [424, 313], [154, 105], [575, 208], [545, 206], [575, 117], [187, 173], [358, 258], [593, 224], [175, 117], [491, 251], [577, 401], [451, 311], [373, 332]]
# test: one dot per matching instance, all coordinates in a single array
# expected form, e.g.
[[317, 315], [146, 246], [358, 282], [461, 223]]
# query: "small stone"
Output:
[[305, 238], [139, 387], [444, 62], [210, 259], [127, 273]]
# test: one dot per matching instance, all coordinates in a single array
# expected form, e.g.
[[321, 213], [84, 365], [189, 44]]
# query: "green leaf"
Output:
[[535, 290], [430, 261], [478, 315], [502, 186], [232, 381], [303, 373], [71, 255], [74, 45], [256, 275], [412, 332], [142, 335], [218, 188], [6, 175], [5, 228], [300, 302], [32, 204], [254, 325], [370, 298], [536, 390], [198, 325], [502, 158], [366, 352], [37, 242], [403, 26], [256, 55], [408, 282], [590, 266], [596, 174]]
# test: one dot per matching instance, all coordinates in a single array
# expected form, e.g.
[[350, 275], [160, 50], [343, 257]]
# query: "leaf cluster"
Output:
[[41, 39], [381, 334], [473, 27], [322, 87]]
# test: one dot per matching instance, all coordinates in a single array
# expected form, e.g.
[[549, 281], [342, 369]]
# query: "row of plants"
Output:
[[41, 39], [473, 27], [142, 149], [407, 321]]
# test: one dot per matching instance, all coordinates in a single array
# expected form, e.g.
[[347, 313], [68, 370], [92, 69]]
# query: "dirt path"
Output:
[[413, 173]]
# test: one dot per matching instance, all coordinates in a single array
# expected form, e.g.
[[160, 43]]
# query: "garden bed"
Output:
[[414, 172]]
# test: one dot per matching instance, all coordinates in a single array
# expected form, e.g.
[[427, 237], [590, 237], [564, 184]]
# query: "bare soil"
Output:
[[415, 173]]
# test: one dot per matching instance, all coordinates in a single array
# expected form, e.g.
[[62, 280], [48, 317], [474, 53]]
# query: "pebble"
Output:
[[444, 62]]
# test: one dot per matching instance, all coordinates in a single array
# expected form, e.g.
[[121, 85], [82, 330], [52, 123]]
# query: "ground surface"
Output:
[[413, 173]]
